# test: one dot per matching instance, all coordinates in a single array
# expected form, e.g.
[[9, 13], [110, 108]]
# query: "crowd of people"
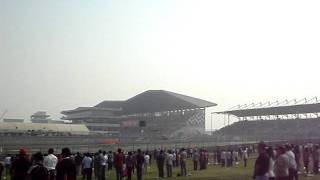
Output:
[[281, 162], [88, 165]]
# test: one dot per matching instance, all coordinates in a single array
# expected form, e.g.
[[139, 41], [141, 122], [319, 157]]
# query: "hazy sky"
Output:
[[57, 55]]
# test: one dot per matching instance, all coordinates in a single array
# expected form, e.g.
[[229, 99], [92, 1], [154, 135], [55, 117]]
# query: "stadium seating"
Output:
[[271, 130]]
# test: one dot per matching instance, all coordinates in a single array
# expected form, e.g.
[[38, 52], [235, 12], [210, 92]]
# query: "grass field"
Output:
[[212, 173]]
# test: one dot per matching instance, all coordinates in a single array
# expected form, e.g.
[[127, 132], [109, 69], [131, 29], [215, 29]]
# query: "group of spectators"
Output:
[[282, 162], [69, 166]]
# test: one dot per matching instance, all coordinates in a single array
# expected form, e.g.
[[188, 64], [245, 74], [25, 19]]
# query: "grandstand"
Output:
[[152, 114], [285, 120], [12, 129]]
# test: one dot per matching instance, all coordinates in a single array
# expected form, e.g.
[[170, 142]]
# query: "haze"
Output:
[[58, 55]]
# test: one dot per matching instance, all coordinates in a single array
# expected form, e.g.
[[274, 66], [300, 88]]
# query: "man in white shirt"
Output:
[[7, 164], [146, 162], [102, 164], [292, 163], [169, 163], [50, 162]]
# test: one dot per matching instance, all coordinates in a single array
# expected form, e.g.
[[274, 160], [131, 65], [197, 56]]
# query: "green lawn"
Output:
[[212, 173]]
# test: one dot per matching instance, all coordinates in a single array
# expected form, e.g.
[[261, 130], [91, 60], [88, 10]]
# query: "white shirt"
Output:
[[7, 160], [146, 158], [292, 160], [170, 159], [103, 159], [245, 154], [271, 168], [50, 162]]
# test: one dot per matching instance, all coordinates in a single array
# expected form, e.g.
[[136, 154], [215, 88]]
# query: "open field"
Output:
[[212, 173]]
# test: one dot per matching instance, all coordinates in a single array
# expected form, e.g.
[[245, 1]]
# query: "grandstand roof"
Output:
[[149, 102], [110, 104], [280, 110], [160, 100]]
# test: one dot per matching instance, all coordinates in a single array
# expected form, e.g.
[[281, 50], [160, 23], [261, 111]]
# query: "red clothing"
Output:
[[118, 160]]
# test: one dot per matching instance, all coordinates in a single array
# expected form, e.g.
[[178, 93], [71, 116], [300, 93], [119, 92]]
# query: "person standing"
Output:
[[245, 156], [271, 155], [169, 163], [183, 162], [281, 165], [118, 163], [78, 161], [160, 164], [196, 159], [20, 166], [66, 168], [174, 158], [110, 160], [139, 164], [37, 171], [146, 162], [102, 165], [262, 163], [297, 155], [130, 165], [50, 162], [7, 164], [87, 167], [292, 163], [96, 165], [306, 159]]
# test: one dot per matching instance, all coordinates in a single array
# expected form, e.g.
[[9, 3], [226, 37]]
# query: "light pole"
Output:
[[211, 124]]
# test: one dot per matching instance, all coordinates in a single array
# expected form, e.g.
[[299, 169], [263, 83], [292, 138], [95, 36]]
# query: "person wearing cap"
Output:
[[50, 162], [20, 165], [66, 168], [262, 163]]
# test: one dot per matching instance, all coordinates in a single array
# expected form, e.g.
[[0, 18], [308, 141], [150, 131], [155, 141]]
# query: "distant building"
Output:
[[39, 117], [13, 120], [151, 114], [42, 117]]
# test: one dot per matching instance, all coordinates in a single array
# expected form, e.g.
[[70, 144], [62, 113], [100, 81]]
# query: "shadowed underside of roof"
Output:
[[160, 100], [281, 110]]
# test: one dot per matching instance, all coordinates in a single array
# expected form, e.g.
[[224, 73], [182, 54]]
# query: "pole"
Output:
[[211, 124]]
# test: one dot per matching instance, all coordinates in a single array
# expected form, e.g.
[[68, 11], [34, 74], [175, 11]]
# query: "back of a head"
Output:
[[66, 152], [50, 151], [288, 147], [262, 146], [119, 150], [281, 149], [37, 157]]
